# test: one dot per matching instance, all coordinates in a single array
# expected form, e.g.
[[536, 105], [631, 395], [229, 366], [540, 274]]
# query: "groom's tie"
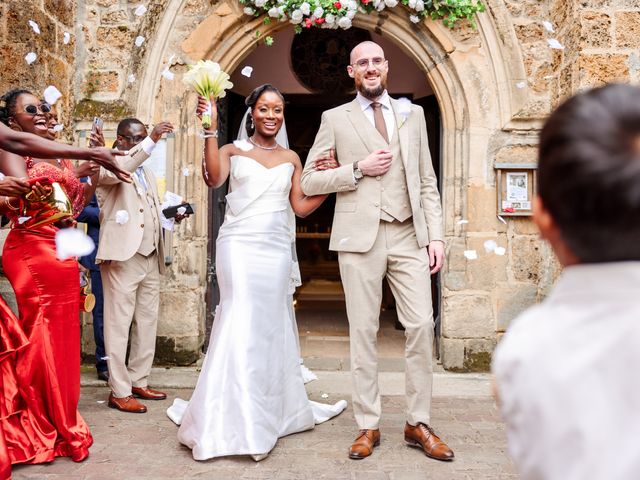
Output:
[[378, 120]]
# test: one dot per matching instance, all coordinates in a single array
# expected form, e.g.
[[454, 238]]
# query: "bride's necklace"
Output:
[[262, 146]]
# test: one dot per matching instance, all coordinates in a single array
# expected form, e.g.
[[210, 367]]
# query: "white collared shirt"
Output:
[[567, 378], [387, 111]]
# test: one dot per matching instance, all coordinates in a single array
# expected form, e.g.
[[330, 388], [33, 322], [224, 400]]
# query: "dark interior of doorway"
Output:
[[302, 114]]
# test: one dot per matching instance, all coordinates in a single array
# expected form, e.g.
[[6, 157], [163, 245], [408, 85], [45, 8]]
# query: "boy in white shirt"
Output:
[[566, 370]]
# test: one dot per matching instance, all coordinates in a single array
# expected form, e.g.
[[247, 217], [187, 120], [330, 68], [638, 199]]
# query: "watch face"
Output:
[[358, 174]]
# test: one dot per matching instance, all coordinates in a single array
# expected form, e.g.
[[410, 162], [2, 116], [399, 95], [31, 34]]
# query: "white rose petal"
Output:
[[58, 128], [89, 182], [122, 217], [555, 44], [330, 18], [131, 78], [167, 74], [21, 220], [139, 40], [305, 8], [273, 12], [181, 210], [548, 26], [259, 3], [186, 172], [141, 10], [412, 4], [66, 38], [351, 14], [490, 245], [296, 16], [414, 18], [71, 242], [470, 254], [344, 23], [30, 57], [34, 26], [391, 3], [419, 5], [51, 95], [521, 85], [500, 251], [243, 145], [463, 222], [105, 358], [249, 11], [247, 71], [325, 395], [318, 12]]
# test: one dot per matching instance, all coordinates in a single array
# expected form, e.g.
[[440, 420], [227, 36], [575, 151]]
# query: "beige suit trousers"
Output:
[[131, 301], [396, 255]]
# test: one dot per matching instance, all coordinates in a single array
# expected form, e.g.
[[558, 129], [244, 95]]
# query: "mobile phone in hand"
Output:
[[171, 212], [96, 126]]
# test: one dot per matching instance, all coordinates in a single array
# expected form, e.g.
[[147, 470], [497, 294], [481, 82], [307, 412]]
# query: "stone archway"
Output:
[[474, 77]]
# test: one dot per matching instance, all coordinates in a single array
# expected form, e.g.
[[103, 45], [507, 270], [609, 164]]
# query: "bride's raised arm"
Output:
[[215, 161]]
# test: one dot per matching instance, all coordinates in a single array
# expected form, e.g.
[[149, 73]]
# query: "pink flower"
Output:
[[338, 5]]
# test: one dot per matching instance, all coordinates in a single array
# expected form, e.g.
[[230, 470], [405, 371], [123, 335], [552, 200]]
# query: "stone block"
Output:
[[512, 300], [119, 38], [180, 312], [598, 69], [482, 213], [102, 82], [596, 30], [628, 29], [518, 154], [526, 258], [529, 32], [477, 354], [19, 31], [63, 10], [488, 269], [452, 353], [114, 17], [15, 72], [468, 316], [523, 226]]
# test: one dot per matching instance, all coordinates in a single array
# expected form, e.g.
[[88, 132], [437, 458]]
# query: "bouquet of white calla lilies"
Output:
[[208, 79]]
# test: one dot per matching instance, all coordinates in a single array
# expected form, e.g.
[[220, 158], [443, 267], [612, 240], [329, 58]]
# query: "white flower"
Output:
[[249, 11], [419, 5], [247, 71], [521, 85], [344, 23], [391, 3], [51, 95], [404, 109], [351, 14], [412, 4], [318, 12], [352, 5], [122, 217], [296, 16], [381, 6], [34, 26], [66, 37], [243, 145], [305, 8], [281, 12], [139, 40], [260, 3], [470, 254], [141, 10], [330, 19], [71, 242], [274, 12], [30, 57], [414, 18]]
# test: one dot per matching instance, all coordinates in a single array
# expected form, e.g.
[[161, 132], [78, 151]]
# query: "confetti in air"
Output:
[[548, 26], [181, 210], [122, 217], [34, 26], [463, 222], [51, 95], [501, 219], [58, 128], [131, 78], [30, 57], [325, 395], [71, 242], [243, 145], [521, 85], [185, 171], [141, 10], [555, 44], [139, 40], [21, 220], [500, 251], [66, 38], [247, 71], [470, 254], [167, 74], [89, 182], [490, 246]]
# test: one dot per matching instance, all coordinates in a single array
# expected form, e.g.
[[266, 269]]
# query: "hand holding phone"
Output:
[[171, 212], [95, 137]]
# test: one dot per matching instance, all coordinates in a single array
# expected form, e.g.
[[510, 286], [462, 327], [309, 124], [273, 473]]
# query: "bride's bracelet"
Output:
[[209, 134], [7, 202]]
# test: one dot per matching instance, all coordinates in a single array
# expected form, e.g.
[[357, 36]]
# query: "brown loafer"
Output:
[[423, 436], [364, 443], [148, 393], [126, 404]]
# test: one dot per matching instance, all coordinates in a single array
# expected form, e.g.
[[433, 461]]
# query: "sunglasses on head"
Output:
[[44, 107]]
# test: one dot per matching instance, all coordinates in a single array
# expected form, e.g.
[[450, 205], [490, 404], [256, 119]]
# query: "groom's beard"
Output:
[[371, 93]]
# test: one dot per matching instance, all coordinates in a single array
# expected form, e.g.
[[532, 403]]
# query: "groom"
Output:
[[387, 222]]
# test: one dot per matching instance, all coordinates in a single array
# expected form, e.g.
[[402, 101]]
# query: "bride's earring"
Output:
[[251, 125]]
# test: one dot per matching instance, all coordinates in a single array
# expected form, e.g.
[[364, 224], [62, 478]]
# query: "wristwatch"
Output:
[[357, 173]]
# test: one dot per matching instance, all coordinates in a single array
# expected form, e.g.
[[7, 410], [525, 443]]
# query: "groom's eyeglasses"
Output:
[[363, 63]]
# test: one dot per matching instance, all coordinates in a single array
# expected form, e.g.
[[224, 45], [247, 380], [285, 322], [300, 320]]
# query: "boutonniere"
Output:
[[404, 110]]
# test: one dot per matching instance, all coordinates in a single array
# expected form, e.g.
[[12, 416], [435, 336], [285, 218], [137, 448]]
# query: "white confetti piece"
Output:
[[555, 44], [21, 220], [243, 145], [470, 254], [66, 38], [325, 395], [490, 245], [58, 128], [141, 10], [463, 222], [51, 95], [167, 74], [100, 401], [181, 210], [122, 217], [500, 251], [34, 26], [89, 182], [30, 57], [139, 40], [521, 85], [105, 358], [71, 242], [548, 26], [501, 219], [247, 71], [186, 172], [131, 78]]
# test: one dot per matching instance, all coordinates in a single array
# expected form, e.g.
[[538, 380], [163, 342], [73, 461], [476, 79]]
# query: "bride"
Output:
[[250, 391]]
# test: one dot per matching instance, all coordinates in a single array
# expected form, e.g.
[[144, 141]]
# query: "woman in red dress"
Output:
[[46, 376]]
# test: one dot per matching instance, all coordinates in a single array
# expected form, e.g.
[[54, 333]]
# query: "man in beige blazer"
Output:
[[387, 222], [131, 257]]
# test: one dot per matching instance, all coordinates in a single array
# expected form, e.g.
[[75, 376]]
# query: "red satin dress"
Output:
[[41, 380]]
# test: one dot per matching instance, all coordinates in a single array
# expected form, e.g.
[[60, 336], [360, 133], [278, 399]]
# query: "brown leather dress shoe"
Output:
[[148, 393], [364, 443], [126, 404], [423, 436]]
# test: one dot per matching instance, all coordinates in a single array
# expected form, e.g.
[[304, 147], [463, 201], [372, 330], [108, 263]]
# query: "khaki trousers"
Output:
[[396, 255], [131, 302]]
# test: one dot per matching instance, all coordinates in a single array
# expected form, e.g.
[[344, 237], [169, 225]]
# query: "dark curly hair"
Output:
[[253, 98], [8, 103]]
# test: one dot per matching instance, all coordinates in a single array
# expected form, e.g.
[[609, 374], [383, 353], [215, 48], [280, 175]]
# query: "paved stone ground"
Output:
[[129, 446]]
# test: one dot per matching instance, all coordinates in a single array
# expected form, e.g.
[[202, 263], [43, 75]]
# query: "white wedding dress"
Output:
[[251, 391]]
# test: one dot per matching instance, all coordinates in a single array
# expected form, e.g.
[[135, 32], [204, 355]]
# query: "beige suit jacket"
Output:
[[357, 212], [120, 242]]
